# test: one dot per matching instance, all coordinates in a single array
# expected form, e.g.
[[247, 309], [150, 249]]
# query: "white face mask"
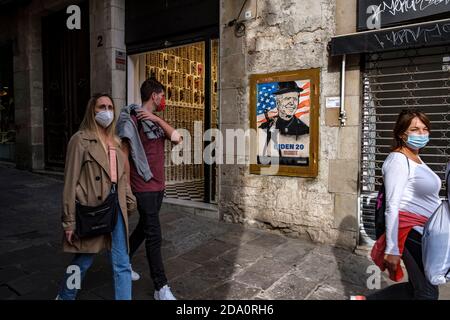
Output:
[[104, 118]]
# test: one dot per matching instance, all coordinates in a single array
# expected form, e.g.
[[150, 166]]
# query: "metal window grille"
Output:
[[393, 81]]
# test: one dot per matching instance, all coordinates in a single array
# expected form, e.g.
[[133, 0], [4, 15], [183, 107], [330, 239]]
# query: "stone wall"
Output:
[[107, 19], [290, 35], [28, 87]]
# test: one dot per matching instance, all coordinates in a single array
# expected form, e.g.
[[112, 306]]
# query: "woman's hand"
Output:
[[391, 262], [69, 237], [145, 115]]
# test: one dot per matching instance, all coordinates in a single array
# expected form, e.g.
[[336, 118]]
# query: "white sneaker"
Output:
[[58, 297], [164, 294], [134, 275]]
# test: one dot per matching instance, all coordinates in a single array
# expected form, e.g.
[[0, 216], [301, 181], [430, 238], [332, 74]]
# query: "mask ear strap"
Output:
[[447, 175], [403, 139], [447, 169]]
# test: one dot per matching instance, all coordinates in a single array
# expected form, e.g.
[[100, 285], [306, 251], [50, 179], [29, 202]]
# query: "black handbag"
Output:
[[99, 220]]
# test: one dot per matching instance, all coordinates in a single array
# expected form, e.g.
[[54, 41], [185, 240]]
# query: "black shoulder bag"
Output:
[[100, 220]]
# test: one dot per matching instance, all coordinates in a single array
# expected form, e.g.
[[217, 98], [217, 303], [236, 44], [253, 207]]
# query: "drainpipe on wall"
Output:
[[342, 113]]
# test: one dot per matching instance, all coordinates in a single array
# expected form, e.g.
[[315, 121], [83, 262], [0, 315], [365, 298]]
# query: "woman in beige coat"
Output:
[[88, 181]]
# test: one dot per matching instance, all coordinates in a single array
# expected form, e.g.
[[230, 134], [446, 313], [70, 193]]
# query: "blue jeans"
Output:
[[120, 265]]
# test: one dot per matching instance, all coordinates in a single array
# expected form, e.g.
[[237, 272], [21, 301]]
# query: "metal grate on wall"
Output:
[[393, 81], [182, 71]]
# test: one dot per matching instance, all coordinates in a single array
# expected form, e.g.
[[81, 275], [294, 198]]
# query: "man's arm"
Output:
[[170, 132], [125, 147]]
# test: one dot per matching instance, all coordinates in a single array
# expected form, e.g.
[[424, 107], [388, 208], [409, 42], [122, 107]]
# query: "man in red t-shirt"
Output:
[[150, 194]]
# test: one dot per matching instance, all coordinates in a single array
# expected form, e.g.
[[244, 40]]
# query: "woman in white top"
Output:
[[412, 188]]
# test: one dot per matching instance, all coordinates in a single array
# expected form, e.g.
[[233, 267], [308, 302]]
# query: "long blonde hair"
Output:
[[89, 123]]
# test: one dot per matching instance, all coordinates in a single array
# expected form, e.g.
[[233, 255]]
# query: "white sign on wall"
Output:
[[121, 60], [333, 102], [446, 63]]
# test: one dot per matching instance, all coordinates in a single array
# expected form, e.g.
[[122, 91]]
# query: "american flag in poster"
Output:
[[266, 101]]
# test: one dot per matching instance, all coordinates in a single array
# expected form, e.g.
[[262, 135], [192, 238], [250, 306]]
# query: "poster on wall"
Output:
[[284, 113]]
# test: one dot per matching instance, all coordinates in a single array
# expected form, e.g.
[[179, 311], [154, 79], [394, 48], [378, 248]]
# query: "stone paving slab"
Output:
[[105, 292], [207, 251], [191, 287], [244, 255], [216, 270], [7, 294], [88, 295], [239, 236], [290, 287], [336, 291], [178, 266], [31, 283], [10, 273], [263, 273], [291, 252], [231, 290], [143, 289], [268, 241], [46, 292]]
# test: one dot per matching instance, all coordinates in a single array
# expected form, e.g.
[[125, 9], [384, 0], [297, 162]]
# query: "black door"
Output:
[[66, 69]]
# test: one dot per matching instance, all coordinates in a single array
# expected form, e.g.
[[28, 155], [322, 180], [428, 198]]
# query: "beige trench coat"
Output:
[[87, 180]]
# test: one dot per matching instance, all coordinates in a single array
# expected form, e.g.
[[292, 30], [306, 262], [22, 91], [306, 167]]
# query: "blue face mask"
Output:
[[417, 141]]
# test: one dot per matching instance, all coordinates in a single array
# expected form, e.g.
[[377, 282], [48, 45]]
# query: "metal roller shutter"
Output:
[[392, 81]]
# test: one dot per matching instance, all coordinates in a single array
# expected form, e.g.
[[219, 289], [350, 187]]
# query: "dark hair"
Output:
[[403, 122], [149, 87]]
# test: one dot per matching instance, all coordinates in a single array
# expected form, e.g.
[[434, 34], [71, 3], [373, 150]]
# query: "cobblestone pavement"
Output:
[[204, 259]]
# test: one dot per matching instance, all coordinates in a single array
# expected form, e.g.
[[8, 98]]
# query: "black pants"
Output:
[[417, 287], [149, 229]]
